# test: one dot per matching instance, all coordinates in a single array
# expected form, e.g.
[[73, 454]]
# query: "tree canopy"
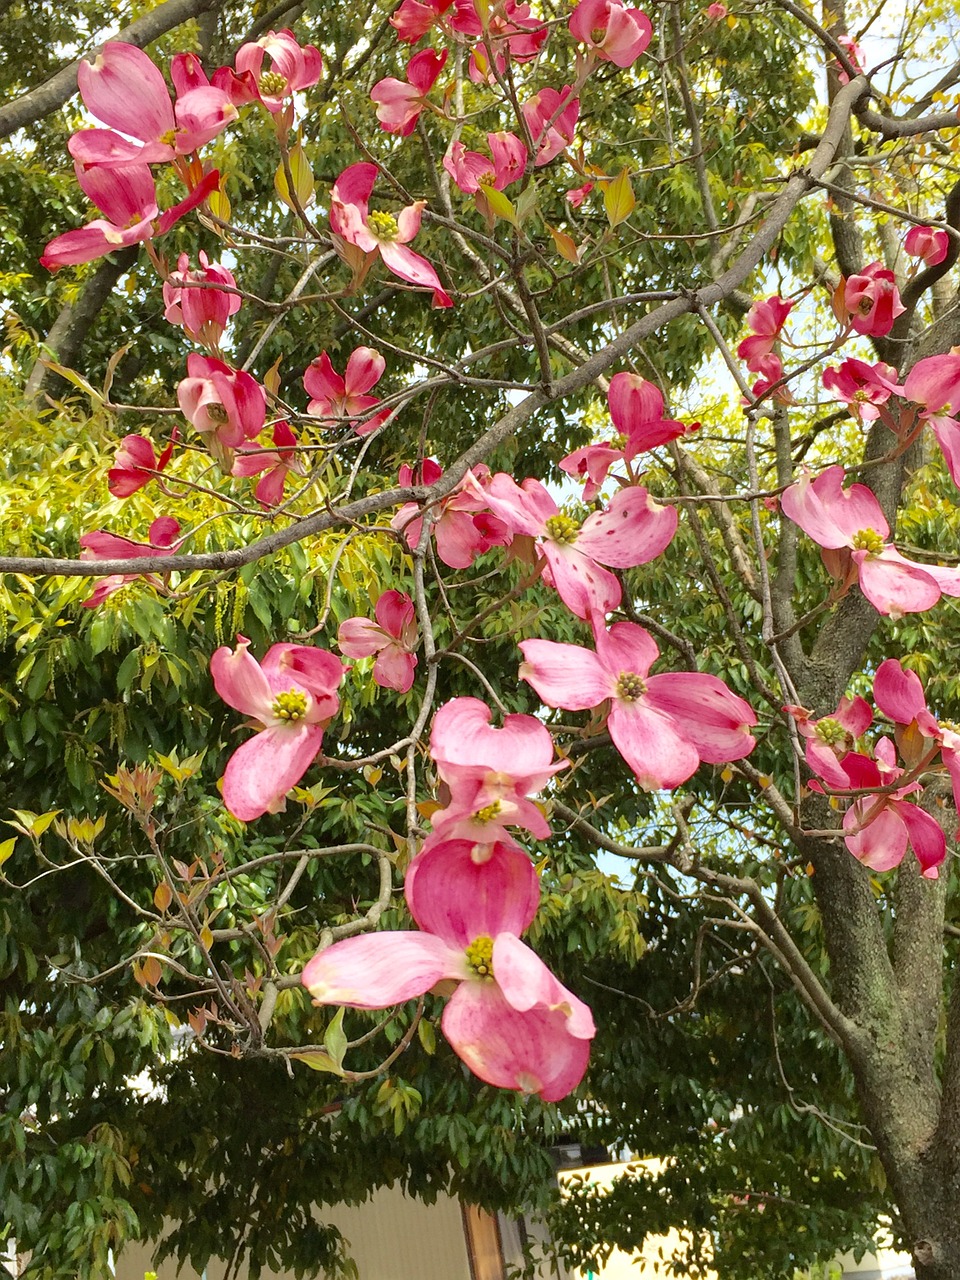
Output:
[[618, 223]]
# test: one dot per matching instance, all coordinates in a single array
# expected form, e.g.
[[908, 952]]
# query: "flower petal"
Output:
[[263, 769], [531, 1052], [461, 891], [379, 969]]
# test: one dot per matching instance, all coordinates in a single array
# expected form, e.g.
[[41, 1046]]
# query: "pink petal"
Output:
[[395, 613], [263, 769], [526, 981], [883, 842], [317, 671], [406, 264], [652, 745], [239, 680], [459, 897], [125, 194], [107, 149], [893, 585], [360, 638], [583, 585], [530, 1052], [364, 370], [625, 647], [354, 185], [633, 530], [926, 837], [395, 668], [565, 675], [124, 89], [706, 712], [462, 735], [379, 969], [898, 692]]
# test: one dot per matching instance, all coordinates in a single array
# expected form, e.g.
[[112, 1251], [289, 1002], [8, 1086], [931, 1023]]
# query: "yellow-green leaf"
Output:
[[300, 172], [69, 375], [335, 1040], [6, 849], [317, 1060], [427, 1036], [497, 203], [618, 198]]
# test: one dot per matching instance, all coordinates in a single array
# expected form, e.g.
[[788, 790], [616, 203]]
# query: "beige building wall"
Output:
[[392, 1237]]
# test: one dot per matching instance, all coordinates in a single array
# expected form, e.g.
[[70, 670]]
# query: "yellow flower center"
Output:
[[831, 732], [630, 686], [290, 706], [488, 812], [867, 540], [217, 413], [480, 956], [272, 83], [383, 225], [561, 528]]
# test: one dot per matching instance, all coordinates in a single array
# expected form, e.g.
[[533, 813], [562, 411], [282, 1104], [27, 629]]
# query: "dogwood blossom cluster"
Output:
[[472, 888], [472, 891], [878, 781]]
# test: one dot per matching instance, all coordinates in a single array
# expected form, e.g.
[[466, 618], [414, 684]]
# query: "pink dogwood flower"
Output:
[[636, 407], [510, 1020], [136, 463], [855, 55], [127, 196], [929, 243], [164, 536], [611, 31], [272, 465], [863, 387], [413, 19], [577, 195], [379, 232], [123, 88], [765, 320], [344, 396], [830, 739], [850, 525], [393, 637], [716, 11], [869, 301], [292, 695], [899, 695], [490, 772], [191, 299], [662, 725], [400, 102], [633, 530], [472, 171], [514, 34], [292, 67], [227, 406], [551, 117], [464, 529], [881, 827]]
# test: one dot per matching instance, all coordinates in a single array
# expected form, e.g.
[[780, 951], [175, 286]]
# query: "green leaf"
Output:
[[335, 1040], [317, 1060]]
